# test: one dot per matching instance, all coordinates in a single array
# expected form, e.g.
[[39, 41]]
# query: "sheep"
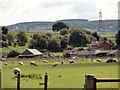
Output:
[[3, 59], [98, 60], [5, 63], [71, 61], [54, 64], [110, 60], [45, 61], [33, 63], [75, 57], [16, 70], [20, 63]]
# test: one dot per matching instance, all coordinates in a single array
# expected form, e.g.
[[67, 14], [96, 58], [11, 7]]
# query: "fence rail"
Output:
[[90, 81]]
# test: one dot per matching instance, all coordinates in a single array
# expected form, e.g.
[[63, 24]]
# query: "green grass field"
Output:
[[61, 76]]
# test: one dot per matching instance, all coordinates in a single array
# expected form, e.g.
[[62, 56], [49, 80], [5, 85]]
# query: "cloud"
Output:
[[14, 11]]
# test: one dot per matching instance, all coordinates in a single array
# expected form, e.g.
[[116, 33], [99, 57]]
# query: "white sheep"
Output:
[[5, 63], [54, 64], [3, 59], [110, 60], [16, 70], [45, 61], [21, 63], [98, 60], [33, 63], [71, 61]]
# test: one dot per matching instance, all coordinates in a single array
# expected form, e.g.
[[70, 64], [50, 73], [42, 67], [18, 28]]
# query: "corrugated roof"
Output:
[[34, 51]]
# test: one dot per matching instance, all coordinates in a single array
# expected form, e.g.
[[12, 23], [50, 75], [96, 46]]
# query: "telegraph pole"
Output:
[[100, 21]]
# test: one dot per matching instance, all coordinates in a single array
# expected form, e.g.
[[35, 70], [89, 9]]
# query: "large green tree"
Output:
[[118, 40], [58, 26], [54, 44], [39, 42], [22, 38], [78, 38], [4, 30], [64, 42]]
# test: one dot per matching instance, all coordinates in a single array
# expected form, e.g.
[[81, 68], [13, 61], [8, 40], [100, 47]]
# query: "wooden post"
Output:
[[0, 79], [90, 82], [18, 81], [45, 81]]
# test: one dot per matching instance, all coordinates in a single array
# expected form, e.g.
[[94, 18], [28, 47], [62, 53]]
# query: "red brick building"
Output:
[[104, 45]]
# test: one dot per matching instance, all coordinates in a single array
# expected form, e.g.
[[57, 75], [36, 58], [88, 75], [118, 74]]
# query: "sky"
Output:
[[16, 11]]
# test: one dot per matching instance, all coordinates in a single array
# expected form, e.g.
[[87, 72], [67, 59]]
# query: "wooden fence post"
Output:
[[18, 81], [90, 82], [0, 79], [45, 81]]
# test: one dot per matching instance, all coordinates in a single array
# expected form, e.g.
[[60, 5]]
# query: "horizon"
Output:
[[55, 21]]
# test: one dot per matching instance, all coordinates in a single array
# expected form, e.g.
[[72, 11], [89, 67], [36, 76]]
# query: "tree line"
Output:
[[69, 37]]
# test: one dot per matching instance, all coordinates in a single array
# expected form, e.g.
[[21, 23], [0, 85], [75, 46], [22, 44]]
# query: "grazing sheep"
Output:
[[75, 57], [45, 61], [16, 70], [5, 63], [71, 61], [55, 64], [3, 59], [98, 60], [33, 63], [110, 60], [20, 63]]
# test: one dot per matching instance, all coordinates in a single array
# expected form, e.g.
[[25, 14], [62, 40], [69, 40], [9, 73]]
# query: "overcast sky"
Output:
[[15, 11]]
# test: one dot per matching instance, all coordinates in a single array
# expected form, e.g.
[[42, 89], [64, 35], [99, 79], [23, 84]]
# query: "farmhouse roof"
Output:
[[30, 52]]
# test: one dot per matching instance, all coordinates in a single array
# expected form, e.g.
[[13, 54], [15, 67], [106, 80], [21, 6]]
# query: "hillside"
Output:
[[106, 25]]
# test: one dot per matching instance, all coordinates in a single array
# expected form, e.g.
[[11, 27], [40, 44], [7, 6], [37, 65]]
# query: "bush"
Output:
[[13, 53]]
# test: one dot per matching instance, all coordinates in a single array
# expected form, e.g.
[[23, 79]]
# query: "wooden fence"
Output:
[[90, 81]]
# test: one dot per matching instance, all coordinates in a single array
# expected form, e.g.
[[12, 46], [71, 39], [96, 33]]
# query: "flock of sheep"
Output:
[[72, 60]]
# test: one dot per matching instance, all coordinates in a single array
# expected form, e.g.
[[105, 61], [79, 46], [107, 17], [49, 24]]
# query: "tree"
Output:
[[58, 26], [10, 39], [4, 30], [64, 31], [78, 38], [95, 34], [118, 40], [22, 38], [39, 42], [54, 44], [64, 42]]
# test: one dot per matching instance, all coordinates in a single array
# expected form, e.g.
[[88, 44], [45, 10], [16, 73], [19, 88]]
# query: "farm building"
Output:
[[104, 45], [30, 53]]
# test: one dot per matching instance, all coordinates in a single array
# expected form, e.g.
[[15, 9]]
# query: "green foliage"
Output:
[[64, 31], [10, 39], [58, 26], [39, 42], [4, 30], [30, 76], [95, 34], [118, 40], [78, 38], [64, 42], [13, 53], [21, 38], [54, 44]]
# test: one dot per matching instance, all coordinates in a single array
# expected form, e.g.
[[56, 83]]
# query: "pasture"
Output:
[[62, 76]]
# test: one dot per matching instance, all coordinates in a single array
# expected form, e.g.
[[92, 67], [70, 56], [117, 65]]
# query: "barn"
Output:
[[104, 45], [30, 53]]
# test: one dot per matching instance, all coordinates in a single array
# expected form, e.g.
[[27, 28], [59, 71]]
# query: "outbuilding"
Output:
[[30, 53]]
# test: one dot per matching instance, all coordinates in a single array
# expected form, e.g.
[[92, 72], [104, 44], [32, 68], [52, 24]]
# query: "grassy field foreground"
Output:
[[61, 76]]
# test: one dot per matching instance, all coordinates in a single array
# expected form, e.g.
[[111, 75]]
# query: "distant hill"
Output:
[[106, 25]]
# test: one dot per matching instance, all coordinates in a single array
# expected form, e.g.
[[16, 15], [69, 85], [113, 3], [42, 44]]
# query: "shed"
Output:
[[30, 53]]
